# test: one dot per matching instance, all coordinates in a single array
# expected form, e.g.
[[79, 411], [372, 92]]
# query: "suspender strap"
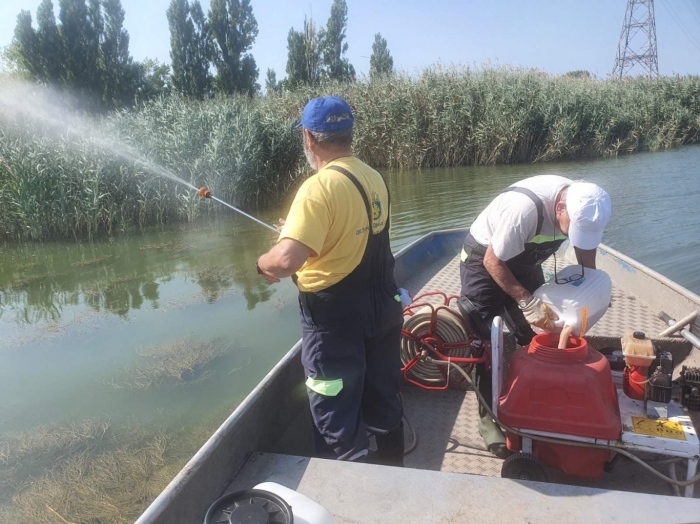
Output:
[[535, 199], [363, 194]]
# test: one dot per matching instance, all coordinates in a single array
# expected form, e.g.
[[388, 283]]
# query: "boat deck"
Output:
[[449, 477], [446, 421], [365, 493]]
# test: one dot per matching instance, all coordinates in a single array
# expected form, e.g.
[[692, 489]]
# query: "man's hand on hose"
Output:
[[538, 314]]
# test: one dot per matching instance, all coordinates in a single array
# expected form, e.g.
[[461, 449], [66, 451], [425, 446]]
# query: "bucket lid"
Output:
[[252, 506]]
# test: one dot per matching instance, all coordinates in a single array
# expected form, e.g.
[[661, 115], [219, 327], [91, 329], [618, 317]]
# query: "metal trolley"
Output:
[[673, 437]]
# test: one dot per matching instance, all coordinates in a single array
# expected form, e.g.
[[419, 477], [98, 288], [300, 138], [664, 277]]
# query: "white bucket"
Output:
[[591, 293], [305, 510]]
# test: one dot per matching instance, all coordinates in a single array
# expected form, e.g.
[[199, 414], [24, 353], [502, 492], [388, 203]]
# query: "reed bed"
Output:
[[247, 152]]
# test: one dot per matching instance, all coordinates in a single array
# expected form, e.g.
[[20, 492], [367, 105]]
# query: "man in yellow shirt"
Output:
[[335, 240]]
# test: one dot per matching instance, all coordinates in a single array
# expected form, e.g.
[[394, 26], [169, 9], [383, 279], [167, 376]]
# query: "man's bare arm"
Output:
[[284, 259], [504, 277]]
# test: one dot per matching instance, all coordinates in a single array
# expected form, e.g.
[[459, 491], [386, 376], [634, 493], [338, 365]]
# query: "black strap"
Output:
[[535, 199], [363, 194]]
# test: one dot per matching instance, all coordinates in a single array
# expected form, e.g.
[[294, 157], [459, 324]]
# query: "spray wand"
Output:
[[203, 192]]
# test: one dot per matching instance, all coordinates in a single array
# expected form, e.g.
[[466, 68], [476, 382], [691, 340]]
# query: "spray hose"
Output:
[[203, 192], [434, 328], [563, 442]]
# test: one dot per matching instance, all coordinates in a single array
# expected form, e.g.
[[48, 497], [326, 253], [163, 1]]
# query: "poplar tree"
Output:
[[50, 44], [233, 32], [303, 56], [380, 63], [25, 50], [189, 49], [92, 39], [201, 51], [333, 46], [80, 29], [118, 72], [271, 81], [87, 53]]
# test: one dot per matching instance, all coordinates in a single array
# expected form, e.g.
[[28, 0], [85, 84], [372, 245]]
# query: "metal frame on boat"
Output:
[[274, 417]]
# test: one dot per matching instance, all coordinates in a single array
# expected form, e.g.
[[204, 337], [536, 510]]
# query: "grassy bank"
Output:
[[248, 154]]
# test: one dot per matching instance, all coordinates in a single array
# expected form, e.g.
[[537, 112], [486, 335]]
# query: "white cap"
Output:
[[589, 209]]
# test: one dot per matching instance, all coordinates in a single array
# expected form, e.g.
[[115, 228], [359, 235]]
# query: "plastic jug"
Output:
[[305, 510], [592, 292], [638, 349]]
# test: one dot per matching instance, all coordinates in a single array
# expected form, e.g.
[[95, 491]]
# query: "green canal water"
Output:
[[107, 330]]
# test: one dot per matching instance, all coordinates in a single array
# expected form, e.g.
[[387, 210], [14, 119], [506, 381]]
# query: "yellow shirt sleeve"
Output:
[[309, 218], [328, 216]]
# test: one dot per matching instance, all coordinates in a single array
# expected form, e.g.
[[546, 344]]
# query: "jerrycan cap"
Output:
[[640, 335]]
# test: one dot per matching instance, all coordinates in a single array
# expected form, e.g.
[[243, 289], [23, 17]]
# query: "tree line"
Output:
[[86, 52]]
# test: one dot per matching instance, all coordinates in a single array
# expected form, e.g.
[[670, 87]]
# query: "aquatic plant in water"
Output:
[[176, 363], [85, 472]]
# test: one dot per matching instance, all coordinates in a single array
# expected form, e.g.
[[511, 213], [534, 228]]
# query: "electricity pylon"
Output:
[[637, 40]]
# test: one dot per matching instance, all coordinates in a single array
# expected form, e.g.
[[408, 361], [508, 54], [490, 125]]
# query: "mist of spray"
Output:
[[56, 112]]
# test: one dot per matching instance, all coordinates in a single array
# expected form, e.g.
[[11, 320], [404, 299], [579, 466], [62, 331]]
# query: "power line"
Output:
[[678, 19], [637, 45], [695, 6]]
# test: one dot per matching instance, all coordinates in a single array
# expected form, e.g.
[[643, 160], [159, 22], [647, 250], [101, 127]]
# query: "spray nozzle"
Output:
[[203, 192]]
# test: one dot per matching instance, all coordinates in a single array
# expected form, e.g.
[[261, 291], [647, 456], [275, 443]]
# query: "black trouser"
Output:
[[351, 339], [489, 301]]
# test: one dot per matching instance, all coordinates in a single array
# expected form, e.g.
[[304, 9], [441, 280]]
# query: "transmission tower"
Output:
[[637, 40]]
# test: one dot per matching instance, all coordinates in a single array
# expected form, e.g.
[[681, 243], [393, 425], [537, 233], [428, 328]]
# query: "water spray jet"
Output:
[[40, 107]]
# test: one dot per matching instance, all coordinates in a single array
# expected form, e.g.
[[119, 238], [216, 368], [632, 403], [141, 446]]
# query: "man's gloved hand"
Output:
[[538, 314]]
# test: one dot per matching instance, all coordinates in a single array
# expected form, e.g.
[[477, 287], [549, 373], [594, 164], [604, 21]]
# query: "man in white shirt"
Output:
[[502, 256]]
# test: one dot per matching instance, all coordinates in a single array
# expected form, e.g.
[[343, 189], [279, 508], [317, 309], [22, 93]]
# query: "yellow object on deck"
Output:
[[658, 428]]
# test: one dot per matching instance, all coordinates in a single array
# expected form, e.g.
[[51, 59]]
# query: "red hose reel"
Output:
[[434, 329]]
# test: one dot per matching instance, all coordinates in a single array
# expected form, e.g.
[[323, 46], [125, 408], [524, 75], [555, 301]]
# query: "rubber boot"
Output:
[[390, 448], [494, 439]]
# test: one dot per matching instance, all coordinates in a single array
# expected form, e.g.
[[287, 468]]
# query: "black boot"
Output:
[[390, 448]]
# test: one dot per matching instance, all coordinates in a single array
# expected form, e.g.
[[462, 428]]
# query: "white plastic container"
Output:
[[305, 510], [592, 293]]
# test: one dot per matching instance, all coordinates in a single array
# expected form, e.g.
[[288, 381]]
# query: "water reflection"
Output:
[[39, 283]]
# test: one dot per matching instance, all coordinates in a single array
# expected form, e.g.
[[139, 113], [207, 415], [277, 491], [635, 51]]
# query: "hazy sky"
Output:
[[554, 35]]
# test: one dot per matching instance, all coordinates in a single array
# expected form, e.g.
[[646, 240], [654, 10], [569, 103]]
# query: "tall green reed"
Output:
[[249, 154]]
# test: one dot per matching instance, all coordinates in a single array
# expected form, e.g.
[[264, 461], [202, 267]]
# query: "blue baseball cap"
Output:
[[327, 115]]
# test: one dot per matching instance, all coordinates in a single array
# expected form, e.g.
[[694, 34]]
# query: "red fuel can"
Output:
[[566, 391]]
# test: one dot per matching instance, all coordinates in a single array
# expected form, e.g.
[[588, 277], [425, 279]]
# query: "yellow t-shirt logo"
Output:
[[376, 207]]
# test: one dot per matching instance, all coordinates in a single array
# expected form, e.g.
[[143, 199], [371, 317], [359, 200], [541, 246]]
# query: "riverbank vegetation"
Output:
[[54, 185]]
